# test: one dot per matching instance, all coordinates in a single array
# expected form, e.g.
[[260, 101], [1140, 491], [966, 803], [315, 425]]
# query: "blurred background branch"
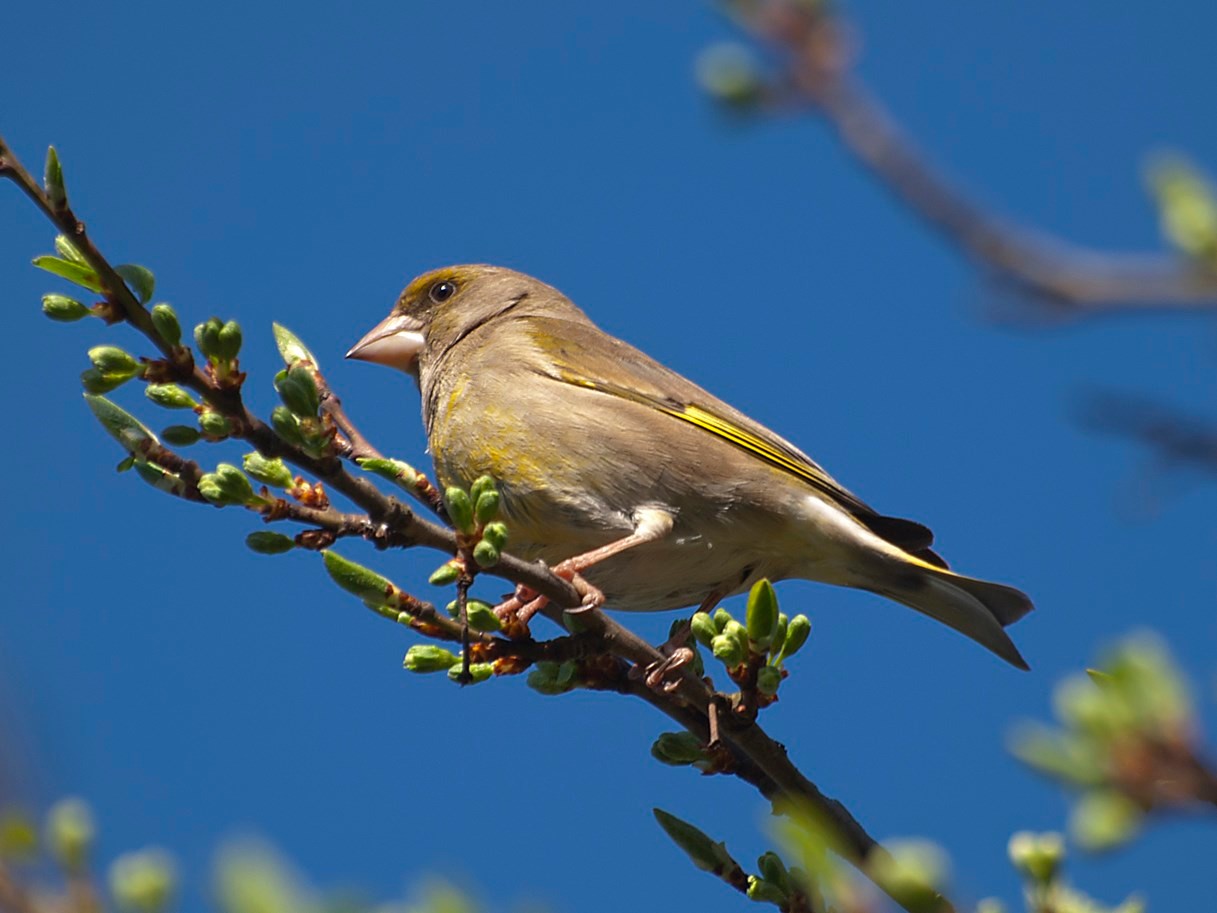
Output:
[[815, 44]]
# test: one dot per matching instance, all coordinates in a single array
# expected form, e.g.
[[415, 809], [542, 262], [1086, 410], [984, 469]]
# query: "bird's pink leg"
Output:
[[653, 524]]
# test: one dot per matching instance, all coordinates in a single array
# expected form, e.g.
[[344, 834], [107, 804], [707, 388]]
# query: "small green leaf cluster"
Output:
[[730, 74], [228, 485], [1039, 859], [681, 749], [766, 633], [1187, 207], [1135, 706], [473, 513], [219, 342], [297, 419], [434, 658], [550, 678]]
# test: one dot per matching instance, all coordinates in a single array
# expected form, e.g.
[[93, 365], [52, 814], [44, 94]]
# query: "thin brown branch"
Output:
[[1048, 268], [760, 760]]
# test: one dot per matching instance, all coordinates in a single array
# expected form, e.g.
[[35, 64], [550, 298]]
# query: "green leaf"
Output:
[[55, 190], [121, 425], [139, 279], [77, 273], [708, 855], [290, 346], [357, 579], [69, 251], [159, 477]]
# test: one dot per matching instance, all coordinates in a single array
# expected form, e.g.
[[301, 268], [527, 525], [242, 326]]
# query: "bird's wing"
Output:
[[583, 356]]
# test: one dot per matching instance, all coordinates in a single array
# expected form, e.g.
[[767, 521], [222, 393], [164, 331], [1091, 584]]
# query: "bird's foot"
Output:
[[517, 610], [665, 676]]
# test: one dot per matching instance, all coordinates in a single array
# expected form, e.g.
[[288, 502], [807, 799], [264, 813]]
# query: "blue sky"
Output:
[[302, 166]]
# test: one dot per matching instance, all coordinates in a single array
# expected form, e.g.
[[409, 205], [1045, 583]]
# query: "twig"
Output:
[[389, 523], [1074, 279]]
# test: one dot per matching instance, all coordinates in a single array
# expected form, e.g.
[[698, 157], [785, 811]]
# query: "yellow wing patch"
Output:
[[730, 432]]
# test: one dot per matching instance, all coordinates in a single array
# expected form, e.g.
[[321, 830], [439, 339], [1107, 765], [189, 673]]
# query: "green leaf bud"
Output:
[[797, 632], [679, 749], [269, 542], [1103, 819], [481, 485], [273, 472], [63, 308], [447, 573], [357, 579], [227, 485], [478, 672], [207, 337], [180, 435], [113, 360], [721, 617], [286, 425], [773, 869], [125, 464], [215, 425], [544, 679], [77, 273], [56, 194], [229, 340], [164, 318], [485, 554], [495, 533], [1037, 856], [429, 658], [707, 854], [143, 882], [703, 628], [121, 424], [763, 891], [70, 833], [171, 396], [727, 650], [487, 506], [290, 347], [728, 72], [297, 387], [762, 614], [768, 679], [481, 617], [18, 836], [460, 509], [139, 279], [779, 636], [95, 382], [396, 471]]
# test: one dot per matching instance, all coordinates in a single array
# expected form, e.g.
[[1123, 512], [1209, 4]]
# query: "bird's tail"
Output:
[[977, 608]]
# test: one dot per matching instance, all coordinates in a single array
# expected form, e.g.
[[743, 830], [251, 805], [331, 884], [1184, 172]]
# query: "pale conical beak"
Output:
[[395, 342]]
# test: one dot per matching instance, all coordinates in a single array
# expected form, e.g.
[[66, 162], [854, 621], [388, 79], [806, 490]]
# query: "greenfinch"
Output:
[[618, 469]]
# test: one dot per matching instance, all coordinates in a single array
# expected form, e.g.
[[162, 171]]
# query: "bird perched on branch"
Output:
[[613, 467]]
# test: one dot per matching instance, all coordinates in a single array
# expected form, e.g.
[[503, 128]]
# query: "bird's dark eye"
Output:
[[442, 291]]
